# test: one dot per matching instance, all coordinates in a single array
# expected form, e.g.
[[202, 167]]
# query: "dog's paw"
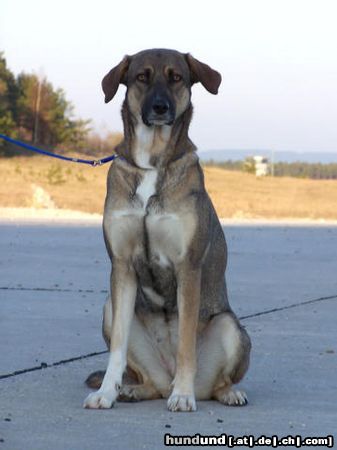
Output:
[[128, 394], [234, 398], [100, 400], [178, 402]]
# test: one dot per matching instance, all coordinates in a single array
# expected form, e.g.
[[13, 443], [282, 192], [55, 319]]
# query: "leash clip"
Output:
[[96, 162]]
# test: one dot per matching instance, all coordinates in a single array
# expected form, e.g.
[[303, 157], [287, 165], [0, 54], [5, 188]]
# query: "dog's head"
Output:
[[159, 83]]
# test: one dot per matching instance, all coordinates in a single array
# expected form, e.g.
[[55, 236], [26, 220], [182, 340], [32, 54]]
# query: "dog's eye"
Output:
[[141, 77], [176, 77]]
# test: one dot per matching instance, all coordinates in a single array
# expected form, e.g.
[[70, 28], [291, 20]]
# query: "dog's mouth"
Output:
[[154, 121]]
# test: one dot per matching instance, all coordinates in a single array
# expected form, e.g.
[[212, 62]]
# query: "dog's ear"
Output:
[[116, 76], [207, 76]]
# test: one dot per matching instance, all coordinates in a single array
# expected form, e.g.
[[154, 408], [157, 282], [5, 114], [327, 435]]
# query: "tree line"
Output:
[[33, 110], [315, 171], [299, 169]]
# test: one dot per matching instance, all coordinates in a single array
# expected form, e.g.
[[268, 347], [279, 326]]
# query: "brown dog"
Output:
[[168, 319]]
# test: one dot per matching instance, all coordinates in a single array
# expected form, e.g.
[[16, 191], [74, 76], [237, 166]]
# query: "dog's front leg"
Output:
[[123, 294], [182, 397]]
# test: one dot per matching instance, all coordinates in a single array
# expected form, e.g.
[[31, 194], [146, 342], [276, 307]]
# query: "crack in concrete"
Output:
[[44, 365], [294, 305]]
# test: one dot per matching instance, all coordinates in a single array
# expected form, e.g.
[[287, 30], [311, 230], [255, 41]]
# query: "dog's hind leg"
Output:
[[223, 359], [145, 359], [145, 378]]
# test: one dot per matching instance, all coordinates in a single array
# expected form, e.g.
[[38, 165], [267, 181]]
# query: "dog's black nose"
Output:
[[160, 106]]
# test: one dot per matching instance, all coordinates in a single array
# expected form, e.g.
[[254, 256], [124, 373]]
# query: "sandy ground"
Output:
[[70, 216]]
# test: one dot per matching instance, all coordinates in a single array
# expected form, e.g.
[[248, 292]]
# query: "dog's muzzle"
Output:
[[158, 110]]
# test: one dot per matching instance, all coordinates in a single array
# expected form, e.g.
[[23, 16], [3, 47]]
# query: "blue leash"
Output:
[[90, 162]]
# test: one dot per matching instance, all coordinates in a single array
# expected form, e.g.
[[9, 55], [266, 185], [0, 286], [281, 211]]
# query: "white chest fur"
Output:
[[143, 145], [149, 141], [147, 186]]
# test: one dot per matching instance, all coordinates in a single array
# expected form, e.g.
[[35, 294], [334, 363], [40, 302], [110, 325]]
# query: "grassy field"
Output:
[[234, 194]]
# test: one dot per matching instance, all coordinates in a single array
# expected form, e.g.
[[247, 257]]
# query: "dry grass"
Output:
[[234, 194], [237, 194]]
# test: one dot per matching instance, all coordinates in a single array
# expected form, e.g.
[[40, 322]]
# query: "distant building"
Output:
[[261, 165]]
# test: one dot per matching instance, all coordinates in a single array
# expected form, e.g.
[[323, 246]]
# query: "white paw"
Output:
[[178, 402], [234, 398], [100, 399]]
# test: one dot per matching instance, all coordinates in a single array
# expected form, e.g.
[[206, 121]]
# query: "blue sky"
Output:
[[278, 60]]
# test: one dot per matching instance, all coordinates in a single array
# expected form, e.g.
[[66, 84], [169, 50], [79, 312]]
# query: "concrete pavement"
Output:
[[53, 283]]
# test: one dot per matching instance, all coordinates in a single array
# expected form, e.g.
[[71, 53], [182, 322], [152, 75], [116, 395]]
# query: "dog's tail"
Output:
[[95, 379]]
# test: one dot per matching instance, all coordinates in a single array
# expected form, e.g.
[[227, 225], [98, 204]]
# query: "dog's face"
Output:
[[159, 84]]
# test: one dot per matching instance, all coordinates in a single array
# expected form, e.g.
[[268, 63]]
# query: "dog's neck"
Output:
[[155, 146]]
